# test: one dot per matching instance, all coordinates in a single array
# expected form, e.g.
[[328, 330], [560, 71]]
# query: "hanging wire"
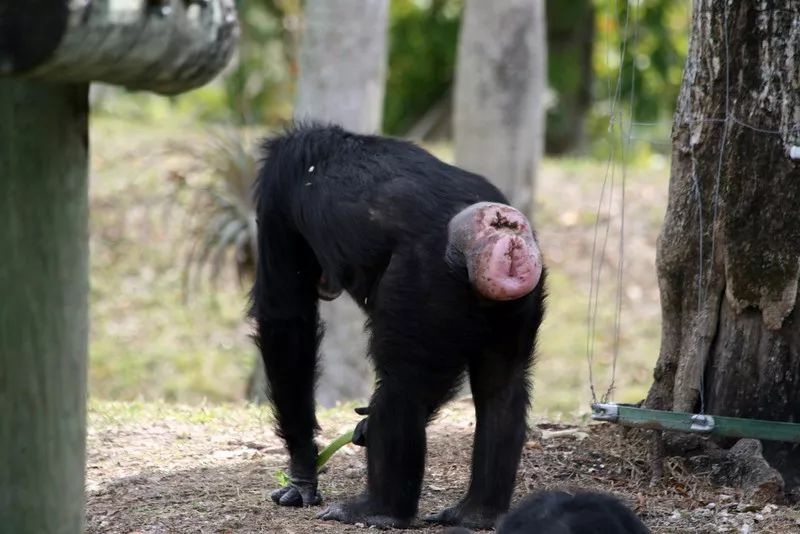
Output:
[[608, 189], [596, 268], [591, 317], [625, 144], [730, 118], [591, 312]]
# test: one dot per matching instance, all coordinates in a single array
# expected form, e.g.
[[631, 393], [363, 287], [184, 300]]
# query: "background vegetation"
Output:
[[168, 323], [258, 87]]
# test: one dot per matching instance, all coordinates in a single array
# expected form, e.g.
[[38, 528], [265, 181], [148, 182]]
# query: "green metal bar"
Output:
[[714, 425]]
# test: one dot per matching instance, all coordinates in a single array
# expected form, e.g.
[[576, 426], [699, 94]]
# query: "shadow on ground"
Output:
[[167, 469]]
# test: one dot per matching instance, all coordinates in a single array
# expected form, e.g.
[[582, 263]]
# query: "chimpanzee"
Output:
[[451, 280], [558, 512]]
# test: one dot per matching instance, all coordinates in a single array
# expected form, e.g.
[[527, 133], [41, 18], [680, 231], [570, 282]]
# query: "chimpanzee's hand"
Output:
[[298, 493], [360, 432]]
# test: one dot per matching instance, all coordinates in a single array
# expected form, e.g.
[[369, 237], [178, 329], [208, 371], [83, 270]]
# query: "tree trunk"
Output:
[[342, 73], [343, 63], [570, 40], [500, 82], [44, 287], [737, 114]]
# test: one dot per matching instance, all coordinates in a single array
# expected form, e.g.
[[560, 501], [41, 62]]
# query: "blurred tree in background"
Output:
[[588, 42], [259, 85], [501, 79], [343, 63], [649, 39], [656, 33]]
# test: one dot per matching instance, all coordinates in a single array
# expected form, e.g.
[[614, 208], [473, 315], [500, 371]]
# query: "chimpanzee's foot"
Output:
[[361, 511], [297, 494], [465, 516]]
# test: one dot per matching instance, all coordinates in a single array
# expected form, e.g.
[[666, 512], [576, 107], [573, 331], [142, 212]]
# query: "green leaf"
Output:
[[282, 478]]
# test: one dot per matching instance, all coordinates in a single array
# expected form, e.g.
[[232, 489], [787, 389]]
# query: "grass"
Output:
[[148, 342]]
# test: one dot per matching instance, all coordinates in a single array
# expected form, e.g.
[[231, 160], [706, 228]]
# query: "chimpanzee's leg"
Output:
[[500, 389], [395, 461], [289, 350], [285, 309], [501, 398], [408, 393], [415, 376]]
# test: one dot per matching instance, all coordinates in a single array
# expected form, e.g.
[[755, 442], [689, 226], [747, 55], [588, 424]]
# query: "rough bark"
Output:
[[500, 82], [342, 74], [43, 305], [167, 47], [739, 339]]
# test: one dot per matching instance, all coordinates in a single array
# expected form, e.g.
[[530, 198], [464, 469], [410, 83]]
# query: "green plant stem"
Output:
[[331, 449], [283, 478]]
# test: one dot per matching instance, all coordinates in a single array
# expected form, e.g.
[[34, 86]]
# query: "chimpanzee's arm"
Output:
[[288, 334]]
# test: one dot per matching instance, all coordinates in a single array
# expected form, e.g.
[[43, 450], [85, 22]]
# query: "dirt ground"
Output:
[[156, 468]]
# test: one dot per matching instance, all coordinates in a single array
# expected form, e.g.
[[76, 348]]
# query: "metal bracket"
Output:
[[702, 423], [605, 412], [733, 427]]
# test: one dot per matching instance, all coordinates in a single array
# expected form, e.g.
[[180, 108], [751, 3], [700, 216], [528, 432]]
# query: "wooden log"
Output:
[[164, 46], [44, 311]]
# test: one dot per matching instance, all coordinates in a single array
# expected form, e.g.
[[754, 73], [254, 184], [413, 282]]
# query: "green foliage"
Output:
[[220, 178], [570, 25], [423, 38], [146, 341], [282, 478], [260, 86], [653, 34]]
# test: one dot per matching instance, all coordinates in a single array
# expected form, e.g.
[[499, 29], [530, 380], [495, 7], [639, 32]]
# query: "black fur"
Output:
[[371, 213], [558, 512]]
